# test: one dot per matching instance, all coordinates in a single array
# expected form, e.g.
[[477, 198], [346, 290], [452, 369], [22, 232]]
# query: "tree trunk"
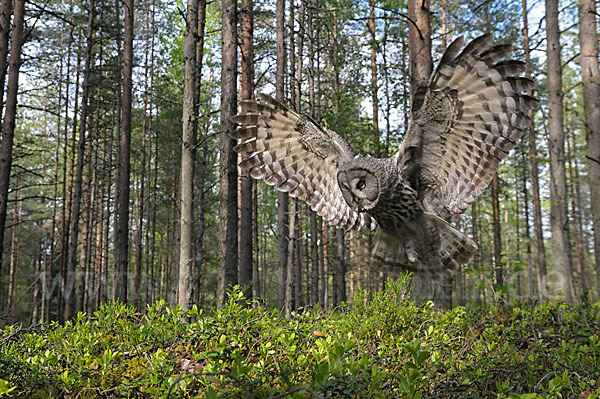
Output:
[[340, 272], [374, 86], [476, 257], [228, 217], [246, 92], [325, 265], [533, 170], [282, 198], [8, 126], [188, 157], [15, 241], [530, 276], [497, 235], [77, 188], [5, 13], [581, 289], [141, 197], [86, 220], [124, 164], [419, 49], [199, 256], [289, 278], [590, 74], [420, 67], [558, 190], [298, 259], [314, 231]]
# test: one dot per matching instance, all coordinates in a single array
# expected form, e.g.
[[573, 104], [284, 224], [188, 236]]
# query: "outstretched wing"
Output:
[[297, 156], [473, 112]]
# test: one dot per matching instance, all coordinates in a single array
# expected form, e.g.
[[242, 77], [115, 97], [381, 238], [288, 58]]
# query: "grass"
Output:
[[381, 348]]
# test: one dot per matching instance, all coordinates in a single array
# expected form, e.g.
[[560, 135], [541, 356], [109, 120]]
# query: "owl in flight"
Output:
[[472, 112]]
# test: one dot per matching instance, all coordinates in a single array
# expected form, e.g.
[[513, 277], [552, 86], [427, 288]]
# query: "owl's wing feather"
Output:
[[473, 112], [297, 156]]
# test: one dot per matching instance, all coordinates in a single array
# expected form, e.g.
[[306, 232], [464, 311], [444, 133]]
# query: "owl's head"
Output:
[[359, 184]]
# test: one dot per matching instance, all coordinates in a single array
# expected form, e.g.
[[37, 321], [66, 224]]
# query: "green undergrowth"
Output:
[[385, 347]]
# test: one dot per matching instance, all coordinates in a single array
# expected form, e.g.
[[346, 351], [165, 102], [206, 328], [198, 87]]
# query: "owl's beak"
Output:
[[356, 199]]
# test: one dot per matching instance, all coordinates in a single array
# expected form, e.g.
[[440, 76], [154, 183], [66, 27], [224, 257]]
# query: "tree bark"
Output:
[[340, 272], [497, 233], [314, 231], [199, 256], [476, 257], [124, 164], [558, 189], [534, 174], [228, 217], [77, 187], [581, 289], [420, 67], [282, 198], [590, 74], [188, 157], [289, 278], [5, 13], [246, 92], [374, 86], [419, 48], [8, 126]]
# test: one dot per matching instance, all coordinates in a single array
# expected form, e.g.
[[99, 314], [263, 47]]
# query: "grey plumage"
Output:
[[473, 111]]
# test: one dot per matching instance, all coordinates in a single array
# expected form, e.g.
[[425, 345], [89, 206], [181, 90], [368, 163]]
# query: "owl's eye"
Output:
[[361, 185]]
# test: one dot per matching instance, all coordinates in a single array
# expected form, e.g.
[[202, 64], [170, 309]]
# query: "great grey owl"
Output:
[[472, 112]]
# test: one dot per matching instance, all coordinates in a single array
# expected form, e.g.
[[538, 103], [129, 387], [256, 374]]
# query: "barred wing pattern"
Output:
[[297, 156], [472, 115]]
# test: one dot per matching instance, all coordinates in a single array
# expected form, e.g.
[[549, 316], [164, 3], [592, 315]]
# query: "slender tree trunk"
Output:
[[124, 163], [298, 258], [533, 170], [246, 92], [580, 290], [374, 86], [530, 277], [289, 278], [141, 197], [15, 242], [151, 198], [325, 264], [228, 217], [188, 156], [590, 74], [419, 48], [282, 198], [340, 272], [199, 257], [86, 220], [497, 234], [5, 13], [314, 231], [257, 292], [476, 257], [8, 126], [558, 190], [48, 272], [444, 24], [34, 315], [69, 278], [420, 68]]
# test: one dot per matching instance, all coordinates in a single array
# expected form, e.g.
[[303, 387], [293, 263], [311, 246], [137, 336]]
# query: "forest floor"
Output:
[[381, 348]]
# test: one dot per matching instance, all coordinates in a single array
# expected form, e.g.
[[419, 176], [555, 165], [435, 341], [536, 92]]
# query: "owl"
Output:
[[467, 118]]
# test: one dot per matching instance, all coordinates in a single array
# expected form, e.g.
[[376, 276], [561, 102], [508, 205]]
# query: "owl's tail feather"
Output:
[[440, 254], [455, 247]]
